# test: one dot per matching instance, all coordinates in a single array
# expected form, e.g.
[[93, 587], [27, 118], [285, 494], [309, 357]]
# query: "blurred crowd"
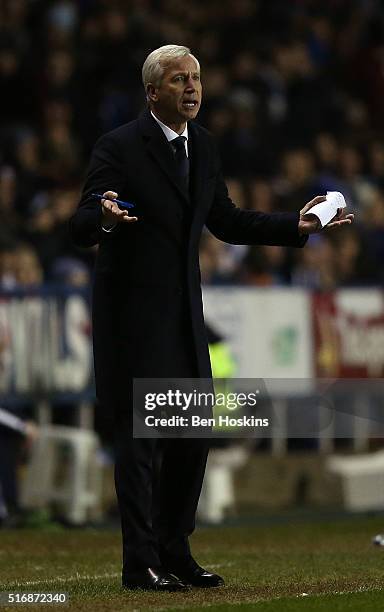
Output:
[[293, 93]]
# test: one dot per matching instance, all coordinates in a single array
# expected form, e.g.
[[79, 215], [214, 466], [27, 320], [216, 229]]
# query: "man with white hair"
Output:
[[147, 305]]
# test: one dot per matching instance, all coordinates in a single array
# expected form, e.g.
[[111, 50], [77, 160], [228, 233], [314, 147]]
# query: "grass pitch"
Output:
[[303, 566]]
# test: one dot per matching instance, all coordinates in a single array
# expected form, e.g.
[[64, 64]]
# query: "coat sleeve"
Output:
[[231, 224], [105, 172]]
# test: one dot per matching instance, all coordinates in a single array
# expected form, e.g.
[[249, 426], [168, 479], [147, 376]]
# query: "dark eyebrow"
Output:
[[184, 72]]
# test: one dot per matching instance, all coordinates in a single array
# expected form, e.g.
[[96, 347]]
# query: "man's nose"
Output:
[[190, 84]]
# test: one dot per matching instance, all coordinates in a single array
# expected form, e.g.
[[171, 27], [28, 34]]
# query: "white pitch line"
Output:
[[68, 579], [92, 577]]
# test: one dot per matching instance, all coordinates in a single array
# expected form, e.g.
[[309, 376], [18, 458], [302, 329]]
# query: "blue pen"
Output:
[[121, 202]]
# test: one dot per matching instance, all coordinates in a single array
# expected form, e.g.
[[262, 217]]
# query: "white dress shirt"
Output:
[[170, 134]]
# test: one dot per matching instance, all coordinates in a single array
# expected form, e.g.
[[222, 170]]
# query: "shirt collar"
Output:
[[170, 134]]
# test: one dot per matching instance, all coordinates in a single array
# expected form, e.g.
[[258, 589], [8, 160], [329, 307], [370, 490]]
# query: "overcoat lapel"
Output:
[[161, 152]]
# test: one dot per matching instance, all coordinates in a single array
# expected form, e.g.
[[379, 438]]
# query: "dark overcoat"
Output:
[[147, 304]]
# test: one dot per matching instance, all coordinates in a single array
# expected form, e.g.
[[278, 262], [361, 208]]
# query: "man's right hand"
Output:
[[111, 211]]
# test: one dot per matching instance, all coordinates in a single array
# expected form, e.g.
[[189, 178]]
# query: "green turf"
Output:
[[347, 602], [265, 567]]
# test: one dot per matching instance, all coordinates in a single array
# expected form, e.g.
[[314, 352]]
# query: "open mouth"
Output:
[[190, 104]]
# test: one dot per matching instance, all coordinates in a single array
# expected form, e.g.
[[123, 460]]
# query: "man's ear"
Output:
[[152, 93]]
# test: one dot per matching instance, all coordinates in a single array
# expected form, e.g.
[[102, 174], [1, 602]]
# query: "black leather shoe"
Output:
[[153, 579], [198, 577]]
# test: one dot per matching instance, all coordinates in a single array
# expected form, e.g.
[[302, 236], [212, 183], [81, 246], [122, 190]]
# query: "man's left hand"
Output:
[[310, 224]]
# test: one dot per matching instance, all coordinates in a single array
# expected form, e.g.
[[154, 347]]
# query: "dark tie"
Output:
[[181, 158]]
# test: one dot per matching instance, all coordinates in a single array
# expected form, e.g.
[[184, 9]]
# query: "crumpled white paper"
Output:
[[325, 211]]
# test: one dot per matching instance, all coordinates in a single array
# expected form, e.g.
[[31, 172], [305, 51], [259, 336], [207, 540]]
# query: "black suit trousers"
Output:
[[158, 481], [158, 484]]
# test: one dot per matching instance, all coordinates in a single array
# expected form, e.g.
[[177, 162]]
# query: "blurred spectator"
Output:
[[351, 173], [376, 159], [61, 150], [296, 183], [27, 268], [315, 268], [262, 196], [264, 266], [327, 154], [46, 228], [292, 93], [71, 272], [8, 266], [354, 263], [213, 263], [8, 193], [373, 217], [28, 165]]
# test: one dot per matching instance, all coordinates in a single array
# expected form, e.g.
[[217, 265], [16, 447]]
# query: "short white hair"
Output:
[[155, 64]]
